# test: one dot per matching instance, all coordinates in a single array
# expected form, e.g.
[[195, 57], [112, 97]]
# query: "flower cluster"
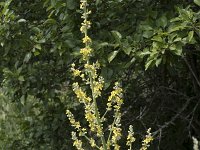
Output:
[[85, 52], [77, 143], [89, 76], [74, 123], [76, 72], [195, 143], [92, 69], [115, 98], [130, 137], [94, 82], [85, 25], [147, 140], [98, 86], [80, 94]]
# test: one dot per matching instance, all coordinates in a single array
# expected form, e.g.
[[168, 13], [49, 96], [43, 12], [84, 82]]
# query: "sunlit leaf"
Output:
[[112, 55]]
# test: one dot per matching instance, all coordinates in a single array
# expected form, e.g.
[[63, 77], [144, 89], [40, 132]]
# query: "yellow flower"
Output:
[[82, 132], [73, 65], [77, 143], [116, 134], [116, 147], [86, 23], [147, 140], [87, 40], [80, 94], [99, 131], [115, 97], [83, 29], [85, 52], [90, 117], [130, 137], [91, 69], [92, 142], [74, 123], [98, 86], [83, 77], [76, 72]]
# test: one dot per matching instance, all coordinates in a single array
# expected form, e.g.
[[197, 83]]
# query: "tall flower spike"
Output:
[[130, 137], [90, 77], [77, 143], [147, 140]]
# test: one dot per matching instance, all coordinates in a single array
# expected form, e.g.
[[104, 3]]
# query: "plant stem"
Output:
[[97, 112], [89, 141], [92, 85], [111, 130]]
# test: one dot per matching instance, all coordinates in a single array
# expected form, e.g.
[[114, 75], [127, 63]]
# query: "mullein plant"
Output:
[[90, 77]]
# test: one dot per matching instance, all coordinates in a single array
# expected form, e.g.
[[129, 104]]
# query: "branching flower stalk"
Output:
[[95, 121]]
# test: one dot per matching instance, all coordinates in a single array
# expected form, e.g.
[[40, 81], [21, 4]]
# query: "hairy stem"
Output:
[[97, 113]]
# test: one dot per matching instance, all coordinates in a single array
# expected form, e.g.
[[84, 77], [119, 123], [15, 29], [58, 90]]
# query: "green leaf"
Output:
[[21, 78], [157, 38], [172, 47], [178, 39], [6, 5], [147, 34], [158, 61], [144, 52], [148, 64], [162, 21], [71, 4], [65, 28], [116, 35], [146, 27], [127, 65], [41, 41], [21, 20], [127, 50], [176, 48], [197, 2], [101, 45], [190, 36], [98, 2], [107, 74], [174, 28], [50, 21], [27, 57], [36, 30], [69, 43], [53, 2], [179, 51], [112, 55], [36, 53], [38, 46]]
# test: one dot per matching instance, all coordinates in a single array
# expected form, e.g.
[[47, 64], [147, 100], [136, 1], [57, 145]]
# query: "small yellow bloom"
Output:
[[116, 147], [92, 142], [87, 40], [116, 134], [76, 72], [85, 52], [147, 140], [83, 29], [73, 65], [77, 143], [130, 137]]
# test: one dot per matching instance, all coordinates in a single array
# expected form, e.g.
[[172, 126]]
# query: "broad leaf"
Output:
[[112, 55], [197, 2]]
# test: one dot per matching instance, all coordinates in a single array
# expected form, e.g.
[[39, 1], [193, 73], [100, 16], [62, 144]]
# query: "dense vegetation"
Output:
[[151, 46]]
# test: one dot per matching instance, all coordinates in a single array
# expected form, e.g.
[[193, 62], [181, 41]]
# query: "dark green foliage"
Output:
[[151, 46]]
